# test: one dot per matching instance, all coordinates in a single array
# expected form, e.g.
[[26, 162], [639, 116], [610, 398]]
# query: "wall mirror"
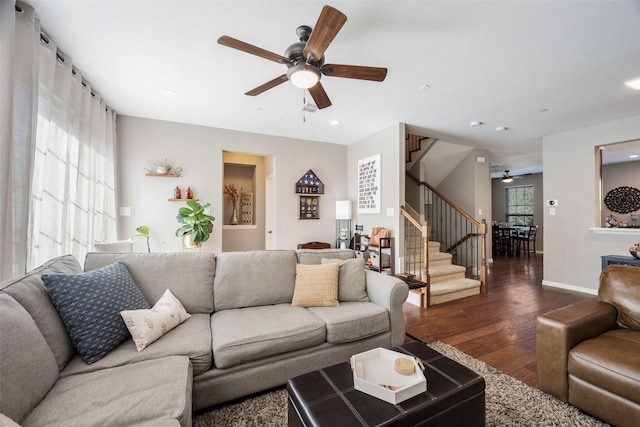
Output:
[[619, 184]]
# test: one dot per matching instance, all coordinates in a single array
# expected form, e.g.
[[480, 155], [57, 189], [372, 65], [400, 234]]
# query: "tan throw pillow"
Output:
[[316, 285], [147, 326]]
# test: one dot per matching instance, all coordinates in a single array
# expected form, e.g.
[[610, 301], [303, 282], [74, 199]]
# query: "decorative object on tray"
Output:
[[231, 195], [163, 168], [144, 233], [635, 250], [623, 200], [197, 226], [309, 183], [375, 373]]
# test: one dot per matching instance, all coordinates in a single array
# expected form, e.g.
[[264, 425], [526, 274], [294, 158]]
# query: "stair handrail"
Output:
[[482, 229], [424, 231]]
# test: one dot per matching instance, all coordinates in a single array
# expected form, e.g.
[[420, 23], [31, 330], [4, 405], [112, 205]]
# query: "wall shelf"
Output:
[[182, 200], [165, 175]]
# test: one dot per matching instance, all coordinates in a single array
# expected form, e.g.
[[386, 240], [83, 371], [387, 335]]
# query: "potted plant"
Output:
[[197, 226], [144, 233]]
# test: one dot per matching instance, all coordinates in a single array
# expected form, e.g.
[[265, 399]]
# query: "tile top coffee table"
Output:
[[327, 397]]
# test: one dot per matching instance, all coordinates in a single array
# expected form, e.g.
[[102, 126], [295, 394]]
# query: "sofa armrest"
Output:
[[390, 293], [558, 331]]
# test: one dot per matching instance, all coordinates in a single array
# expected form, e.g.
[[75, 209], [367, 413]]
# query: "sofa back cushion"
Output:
[[30, 292], [253, 278], [188, 275], [315, 256], [28, 367], [620, 287]]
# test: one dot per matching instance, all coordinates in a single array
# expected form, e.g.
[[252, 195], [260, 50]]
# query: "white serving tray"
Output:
[[374, 372]]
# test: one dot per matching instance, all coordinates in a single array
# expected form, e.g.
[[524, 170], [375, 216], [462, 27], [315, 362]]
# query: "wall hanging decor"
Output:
[[309, 183], [623, 200], [369, 184]]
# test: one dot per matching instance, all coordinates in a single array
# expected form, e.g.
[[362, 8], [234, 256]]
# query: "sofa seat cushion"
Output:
[[352, 321], [192, 339], [251, 333], [138, 394], [616, 371]]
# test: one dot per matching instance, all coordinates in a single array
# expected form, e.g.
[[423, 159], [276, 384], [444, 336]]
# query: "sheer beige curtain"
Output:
[[67, 147]]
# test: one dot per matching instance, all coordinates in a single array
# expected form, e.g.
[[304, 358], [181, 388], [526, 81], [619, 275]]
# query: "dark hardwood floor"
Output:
[[499, 327]]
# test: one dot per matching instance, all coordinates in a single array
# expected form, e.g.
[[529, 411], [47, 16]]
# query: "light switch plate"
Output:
[[125, 211]]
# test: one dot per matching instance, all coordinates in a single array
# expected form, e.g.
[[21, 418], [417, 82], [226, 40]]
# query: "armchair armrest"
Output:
[[558, 331], [390, 293]]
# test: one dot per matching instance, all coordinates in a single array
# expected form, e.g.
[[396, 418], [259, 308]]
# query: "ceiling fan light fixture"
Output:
[[303, 75], [507, 179]]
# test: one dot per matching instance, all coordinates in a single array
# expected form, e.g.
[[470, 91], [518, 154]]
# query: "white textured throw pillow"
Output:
[[147, 326]]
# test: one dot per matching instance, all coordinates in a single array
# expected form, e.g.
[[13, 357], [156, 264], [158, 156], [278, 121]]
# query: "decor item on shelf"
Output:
[[246, 208], [231, 195], [343, 223], [197, 225], [177, 193], [143, 233], [189, 194], [635, 250], [163, 168], [623, 200]]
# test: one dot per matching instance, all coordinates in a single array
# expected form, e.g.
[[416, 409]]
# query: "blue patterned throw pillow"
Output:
[[90, 304]]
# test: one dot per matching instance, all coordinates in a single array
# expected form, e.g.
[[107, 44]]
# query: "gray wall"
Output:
[[389, 143], [199, 151], [498, 204], [572, 248]]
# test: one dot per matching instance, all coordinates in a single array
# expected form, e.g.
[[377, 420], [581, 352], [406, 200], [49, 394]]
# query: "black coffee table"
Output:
[[454, 397]]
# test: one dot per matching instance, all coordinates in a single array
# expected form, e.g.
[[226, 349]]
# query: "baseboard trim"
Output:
[[570, 287]]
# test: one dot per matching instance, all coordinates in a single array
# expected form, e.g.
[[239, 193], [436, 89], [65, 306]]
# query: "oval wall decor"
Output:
[[623, 200]]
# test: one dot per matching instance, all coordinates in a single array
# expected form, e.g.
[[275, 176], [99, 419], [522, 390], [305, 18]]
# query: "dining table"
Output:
[[514, 234]]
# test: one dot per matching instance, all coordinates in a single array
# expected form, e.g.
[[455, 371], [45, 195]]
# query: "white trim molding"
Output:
[[618, 231], [570, 287]]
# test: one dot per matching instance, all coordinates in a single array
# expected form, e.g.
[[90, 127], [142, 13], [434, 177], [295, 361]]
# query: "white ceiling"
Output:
[[497, 62]]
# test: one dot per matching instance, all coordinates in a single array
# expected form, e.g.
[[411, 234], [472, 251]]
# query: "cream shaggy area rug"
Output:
[[509, 403]]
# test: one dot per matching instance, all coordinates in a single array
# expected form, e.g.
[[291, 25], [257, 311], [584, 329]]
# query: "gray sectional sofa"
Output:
[[243, 336]]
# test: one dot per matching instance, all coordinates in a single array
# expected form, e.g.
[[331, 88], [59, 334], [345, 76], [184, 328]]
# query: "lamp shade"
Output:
[[343, 209]]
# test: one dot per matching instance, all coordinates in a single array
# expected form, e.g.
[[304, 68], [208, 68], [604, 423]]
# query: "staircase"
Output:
[[444, 258]]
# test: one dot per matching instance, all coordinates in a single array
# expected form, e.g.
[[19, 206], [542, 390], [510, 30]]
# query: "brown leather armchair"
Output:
[[589, 352]]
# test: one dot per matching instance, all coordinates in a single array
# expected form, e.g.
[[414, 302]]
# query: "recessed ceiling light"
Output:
[[543, 110], [474, 124], [501, 128], [169, 93], [334, 122], [634, 83], [423, 87], [259, 109], [634, 156]]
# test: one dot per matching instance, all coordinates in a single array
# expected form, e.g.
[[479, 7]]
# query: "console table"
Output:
[[619, 259]]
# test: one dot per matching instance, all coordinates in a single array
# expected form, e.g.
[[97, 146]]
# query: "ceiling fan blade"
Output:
[[375, 74], [319, 96], [268, 85], [254, 50], [329, 23]]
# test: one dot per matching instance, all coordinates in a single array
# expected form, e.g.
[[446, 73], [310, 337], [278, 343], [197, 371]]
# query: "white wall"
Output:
[[199, 151], [389, 143], [572, 252]]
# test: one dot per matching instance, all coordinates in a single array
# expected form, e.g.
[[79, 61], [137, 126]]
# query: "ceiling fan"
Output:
[[305, 59], [506, 178]]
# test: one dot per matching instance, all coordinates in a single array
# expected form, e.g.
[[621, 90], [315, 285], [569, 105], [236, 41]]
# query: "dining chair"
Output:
[[527, 238], [501, 240]]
